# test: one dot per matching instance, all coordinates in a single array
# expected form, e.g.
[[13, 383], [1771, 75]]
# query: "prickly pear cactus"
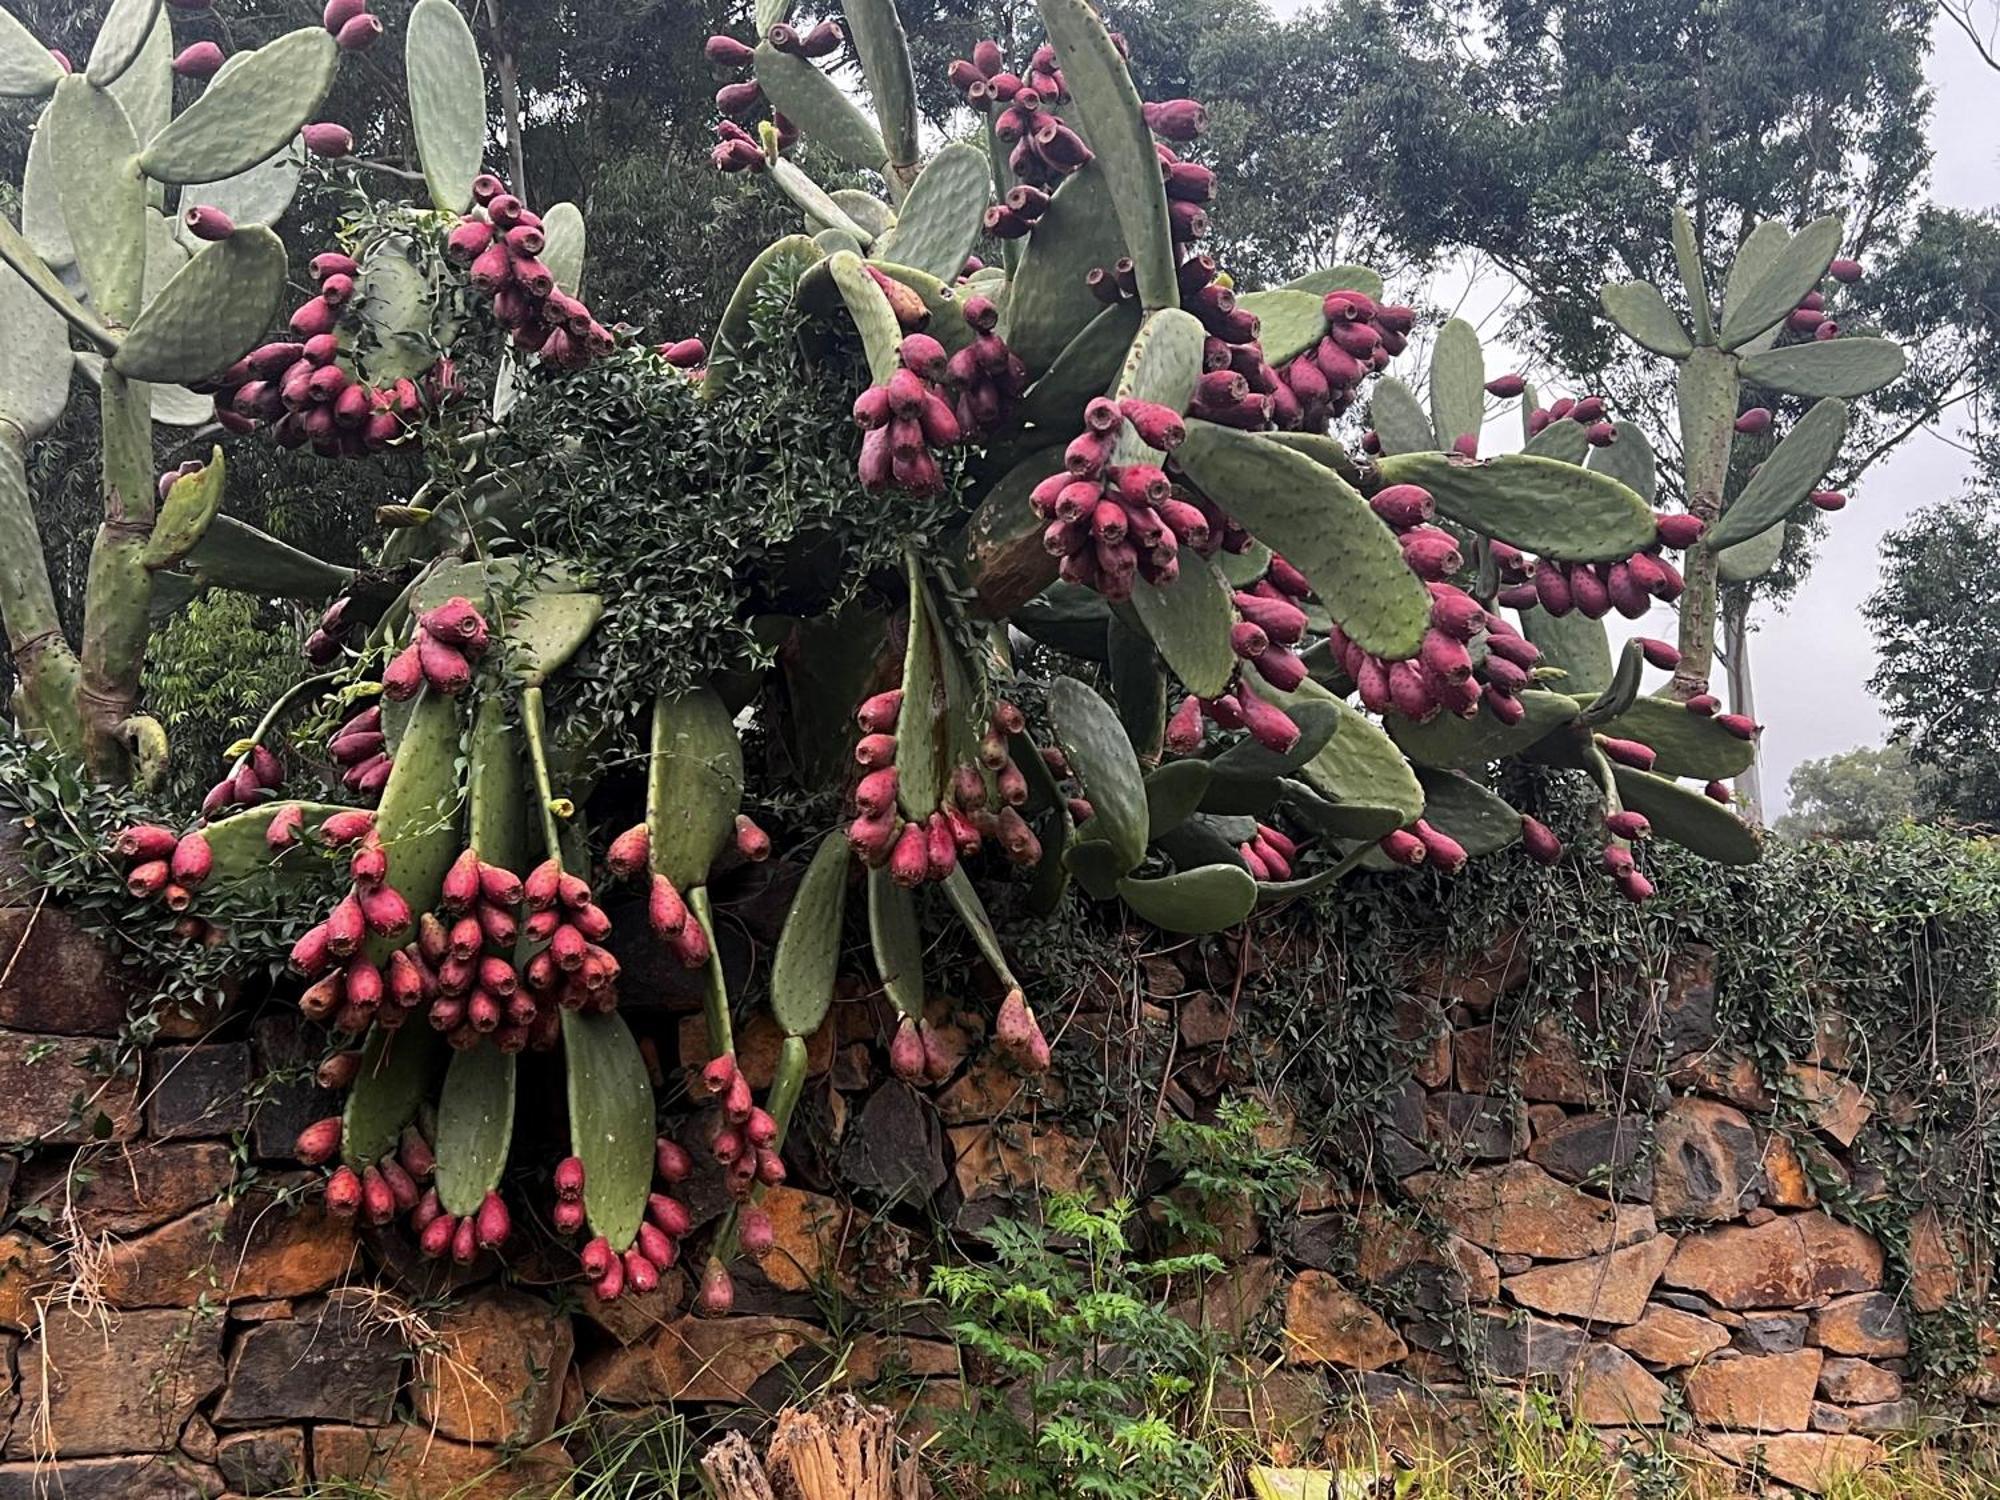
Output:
[[1099, 460]]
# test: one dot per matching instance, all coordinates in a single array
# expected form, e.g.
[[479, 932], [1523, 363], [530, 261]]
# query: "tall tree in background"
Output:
[[1935, 623], [1856, 794]]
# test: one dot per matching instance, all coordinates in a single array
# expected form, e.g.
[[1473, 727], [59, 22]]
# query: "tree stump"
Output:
[[839, 1450]]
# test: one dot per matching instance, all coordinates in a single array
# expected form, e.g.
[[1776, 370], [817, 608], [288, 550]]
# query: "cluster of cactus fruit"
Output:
[[1125, 456]]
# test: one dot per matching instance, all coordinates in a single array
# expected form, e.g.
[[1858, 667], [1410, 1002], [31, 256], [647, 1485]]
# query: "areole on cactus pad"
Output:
[[1094, 605]]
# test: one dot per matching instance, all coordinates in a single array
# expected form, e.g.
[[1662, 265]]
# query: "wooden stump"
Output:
[[839, 1450]]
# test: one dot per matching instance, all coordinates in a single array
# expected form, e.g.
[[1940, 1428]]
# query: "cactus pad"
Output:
[[398, 1069], [1552, 508], [898, 942], [1048, 303], [475, 1126], [250, 111], [1291, 321], [1458, 381], [876, 31], [27, 71], [186, 513], [1451, 743], [1793, 271], [1102, 758], [1208, 898], [1836, 367], [256, 195], [807, 959], [694, 785], [210, 314], [120, 37], [1685, 744], [610, 1121], [1462, 809], [820, 108], [1173, 792], [1086, 367], [447, 101], [1398, 418], [940, 217], [1689, 818], [102, 194], [562, 245], [1800, 460], [1642, 313]]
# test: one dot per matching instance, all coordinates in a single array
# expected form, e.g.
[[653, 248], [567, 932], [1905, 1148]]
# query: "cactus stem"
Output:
[[119, 587], [534, 729], [1708, 391], [46, 698], [715, 995]]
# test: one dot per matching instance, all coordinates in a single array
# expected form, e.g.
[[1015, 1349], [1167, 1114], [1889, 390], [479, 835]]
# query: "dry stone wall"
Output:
[[1629, 1226]]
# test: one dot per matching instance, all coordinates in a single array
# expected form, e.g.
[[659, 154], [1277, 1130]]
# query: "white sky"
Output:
[[1811, 664]]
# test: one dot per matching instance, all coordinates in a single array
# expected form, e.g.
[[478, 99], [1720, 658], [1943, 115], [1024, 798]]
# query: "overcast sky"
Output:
[[1811, 664]]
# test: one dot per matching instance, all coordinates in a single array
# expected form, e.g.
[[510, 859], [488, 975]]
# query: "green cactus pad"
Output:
[[770, 12], [823, 215], [237, 842], [417, 820], [120, 37], [1249, 799], [102, 194], [923, 751], [1203, 839], [1107, 105], [398, 1069], [1048, 888], [1049, 304], [146, 87], [1563, 440], [1342, 278], [394, 301], [1707, 388], [869, 306], [866, 211], [820, 108], [940, 218], [1448, 742], [1643, 315], [211, 314], [234, 555], [496, 787], [898, 941], [248, 113], [1209, 898], [941, 301], [1798, 463], [1247, 760], [1837, 367], [972, 912], [1360, 765], [34, 379], [1689, 818], [807, 959], [1087, 366], [1555, 509], [1102, 758], [1753, 258], [447, 89], [1687, 256], [1068, 619], [1138, 684], [1322, 526], [548, 630], [833, 241], [1173, 792], [27, 71], [610, 1122], [785, 257], [563, 241], [876, 32], [1754, 558], [41, 209], [257, 195], [1573, 643], [1339, 820], [1462, 809], [1398, 417], [1291, 321], [475, 1126], [1321, 449], [1793, 271], [1458, 381], [186, 513], [1619, 694], [1630, 461], [1189, 620], [1685, 744], [694, 785]]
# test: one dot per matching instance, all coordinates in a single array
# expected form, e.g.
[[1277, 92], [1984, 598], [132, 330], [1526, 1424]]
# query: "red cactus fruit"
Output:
[[147, 880], [359, 34], [1754, 421], [1404, 847], [641, 1275], [144, 842], [436, 1237], [338, 1071], [543, 887], [492, 1224], [192, 861], [206, 222], [404, 675], [1628, 825], [385, 911], [444, 667], [906, 1052], [755, 1232], [1716, 791], [1441, 851], [596, 1257], [629, 852], [569, 1178], [402, 1187], [1737, 724], [415, 1153], [319, 1142], [465, 1241], [1506, 386], [671, 1162], [1844, 270], [324, 138], [1626, 752], [343, 1193], [751, 841], [1633, 886], [717, 1294], [567, 1215], [1540, 841], [1827, 500], [690, 945]]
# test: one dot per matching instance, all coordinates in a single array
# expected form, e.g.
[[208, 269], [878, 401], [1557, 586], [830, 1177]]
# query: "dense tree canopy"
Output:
[[1856, 794]]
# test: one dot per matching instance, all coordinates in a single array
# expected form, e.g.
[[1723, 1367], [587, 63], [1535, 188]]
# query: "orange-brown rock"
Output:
[[51, 1091], [126, 1189], [251, 1248], [698, 1359], [27, 1272], [1758, 1392], [1838, 1105], [1670, 1337], [1937, 1262], [1234, 1300], [1868, 1323], [996, 1159], [493, 1367], [1790, 1261], [1519, 1209], [759, 1040], [413, 1463], [989, 1090], [811, 1231], [1855, 1382], [1727, 1075], [1205, 1020], [1705, 1161], [1386, 1245], [875, 1357], [1325, 1324], [1809, 1461], [1544, 1067], [1609, 1288], [58, 977], [1785, 1182], [124, 1383], [636, 1316], [1610, 1389]]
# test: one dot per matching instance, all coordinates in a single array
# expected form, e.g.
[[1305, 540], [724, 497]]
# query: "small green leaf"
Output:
[[1835, 367], [782, 257], [1642, 313], [610, 1121], [808, 955], [1798, 463], [1209, 898], [1458, 381], [475, 1126], [1321, 525], [1101, 756], [1792, 273]]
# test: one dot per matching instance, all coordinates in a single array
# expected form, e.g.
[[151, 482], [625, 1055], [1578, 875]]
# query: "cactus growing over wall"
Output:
[[1099, 449]]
